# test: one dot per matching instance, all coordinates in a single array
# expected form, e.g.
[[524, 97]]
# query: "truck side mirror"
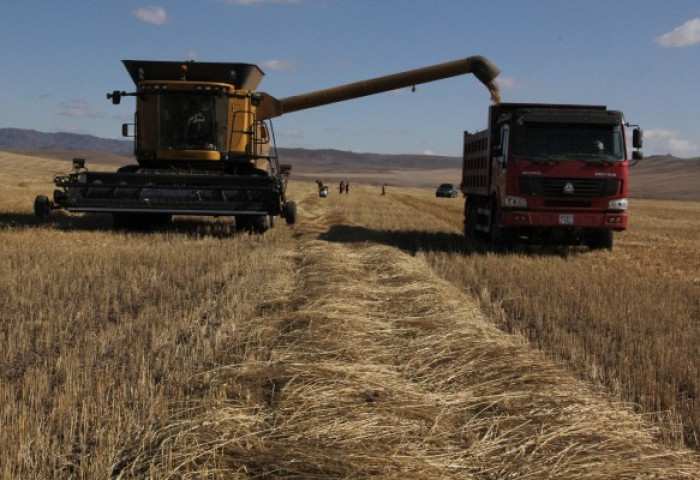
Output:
[[637, 155], [637, 138]]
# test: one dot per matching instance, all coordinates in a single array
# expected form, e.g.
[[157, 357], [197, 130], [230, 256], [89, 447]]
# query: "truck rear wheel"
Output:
[[470, 213]]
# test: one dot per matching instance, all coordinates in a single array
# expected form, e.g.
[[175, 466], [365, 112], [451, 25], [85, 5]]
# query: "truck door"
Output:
[[503, 151], [500, 160]]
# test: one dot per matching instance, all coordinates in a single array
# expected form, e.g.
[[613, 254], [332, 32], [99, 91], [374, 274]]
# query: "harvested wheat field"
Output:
[[364, 342]]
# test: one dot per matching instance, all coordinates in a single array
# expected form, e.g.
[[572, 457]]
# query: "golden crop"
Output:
[[366, 341]]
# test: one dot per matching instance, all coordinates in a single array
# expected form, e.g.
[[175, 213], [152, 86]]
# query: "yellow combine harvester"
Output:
[[203, 143]]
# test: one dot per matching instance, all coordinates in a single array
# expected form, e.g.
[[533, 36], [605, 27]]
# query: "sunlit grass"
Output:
[[361, 342]]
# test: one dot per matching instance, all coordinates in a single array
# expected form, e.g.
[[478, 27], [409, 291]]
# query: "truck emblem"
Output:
[[569, 188]]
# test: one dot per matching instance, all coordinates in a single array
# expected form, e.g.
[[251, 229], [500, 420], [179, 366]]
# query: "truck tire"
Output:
[[470, 213], [601, 240], [498, 235]]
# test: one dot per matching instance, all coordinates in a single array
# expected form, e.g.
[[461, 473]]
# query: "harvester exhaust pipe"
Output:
[[481, 67]]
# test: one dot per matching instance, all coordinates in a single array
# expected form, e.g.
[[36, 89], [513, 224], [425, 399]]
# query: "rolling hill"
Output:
[[660, 176]]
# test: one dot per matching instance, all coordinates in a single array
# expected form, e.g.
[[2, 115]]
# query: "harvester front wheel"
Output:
[[290, 213], [42, 207]]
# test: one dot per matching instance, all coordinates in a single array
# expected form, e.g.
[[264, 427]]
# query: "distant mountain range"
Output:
[[21, 139], [307, 163], [655, 177]]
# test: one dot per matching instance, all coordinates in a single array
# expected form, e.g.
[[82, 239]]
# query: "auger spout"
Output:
[[480, 66]]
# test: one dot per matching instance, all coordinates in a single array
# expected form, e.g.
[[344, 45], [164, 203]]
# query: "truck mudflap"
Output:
[[601, 220], [204, 193]]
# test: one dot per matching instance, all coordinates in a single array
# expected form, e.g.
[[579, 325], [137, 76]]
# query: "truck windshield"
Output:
[[190, 121], [569, 142]]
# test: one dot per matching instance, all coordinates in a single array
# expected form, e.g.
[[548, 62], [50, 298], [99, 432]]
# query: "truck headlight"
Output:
[[619, 204], [516, 202]]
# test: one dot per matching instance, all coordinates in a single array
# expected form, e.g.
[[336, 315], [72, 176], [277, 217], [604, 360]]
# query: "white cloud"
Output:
[[507, 82], [429, 152], [191, 55], [292, 135], [154, 15], [280, 64], [248, 3], [76, 109], [683, 36], [662, 142]]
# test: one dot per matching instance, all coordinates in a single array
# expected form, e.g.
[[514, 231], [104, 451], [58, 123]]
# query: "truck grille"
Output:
[[569, 187]]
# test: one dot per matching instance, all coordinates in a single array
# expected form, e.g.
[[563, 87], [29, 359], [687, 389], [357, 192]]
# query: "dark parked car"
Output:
[[446, 190]]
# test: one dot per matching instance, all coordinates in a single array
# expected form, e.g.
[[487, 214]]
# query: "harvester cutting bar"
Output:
[[185, 194]]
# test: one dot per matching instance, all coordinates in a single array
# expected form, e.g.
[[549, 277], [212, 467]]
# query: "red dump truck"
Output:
[[548, 174]]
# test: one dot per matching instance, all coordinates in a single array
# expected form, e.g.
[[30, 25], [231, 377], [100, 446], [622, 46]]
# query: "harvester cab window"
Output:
[[188, 122]]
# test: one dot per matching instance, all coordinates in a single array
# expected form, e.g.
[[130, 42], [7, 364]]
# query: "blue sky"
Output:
[[638, 56]]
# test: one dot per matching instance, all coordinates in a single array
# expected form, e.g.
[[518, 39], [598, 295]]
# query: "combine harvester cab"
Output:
[[200, 150], [204, 143]]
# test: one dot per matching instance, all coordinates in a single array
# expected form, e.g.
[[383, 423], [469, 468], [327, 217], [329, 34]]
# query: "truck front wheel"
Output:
[[498, 234], [600, 240]]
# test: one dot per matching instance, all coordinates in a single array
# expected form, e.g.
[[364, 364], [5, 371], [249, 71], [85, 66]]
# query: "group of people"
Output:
[[343, 187]]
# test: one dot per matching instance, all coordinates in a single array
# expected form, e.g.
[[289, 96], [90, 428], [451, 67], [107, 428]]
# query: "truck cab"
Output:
[[548, 174]]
